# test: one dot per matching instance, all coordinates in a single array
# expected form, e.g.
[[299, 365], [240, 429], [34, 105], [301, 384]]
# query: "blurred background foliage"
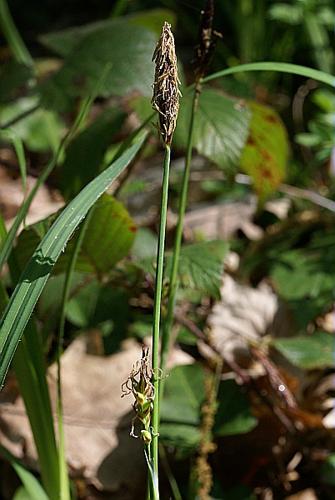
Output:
[[259, 137]]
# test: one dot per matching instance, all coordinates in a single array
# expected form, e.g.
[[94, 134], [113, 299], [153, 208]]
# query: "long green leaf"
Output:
[[31, 485], [41, 264], [30, 371], [295, 69]]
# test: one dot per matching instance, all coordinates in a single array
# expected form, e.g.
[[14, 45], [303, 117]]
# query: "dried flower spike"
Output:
[[166, 92]]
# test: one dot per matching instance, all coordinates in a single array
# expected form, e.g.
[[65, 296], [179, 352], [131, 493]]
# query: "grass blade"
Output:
[[29, 481], [37, 271], [294, 69], [30, 371], [17, 143]]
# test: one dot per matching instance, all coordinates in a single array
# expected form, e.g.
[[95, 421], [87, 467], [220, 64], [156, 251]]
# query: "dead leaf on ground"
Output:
[[97, 420]]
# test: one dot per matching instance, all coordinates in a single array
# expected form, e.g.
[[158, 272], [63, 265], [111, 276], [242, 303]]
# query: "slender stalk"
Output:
[[173, 287], [63, 474], [19, 117], [172, 480], [14, 40], [157, 307]]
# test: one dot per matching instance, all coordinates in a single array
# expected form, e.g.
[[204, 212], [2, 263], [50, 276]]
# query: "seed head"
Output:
[[166, 92], [139, 384]]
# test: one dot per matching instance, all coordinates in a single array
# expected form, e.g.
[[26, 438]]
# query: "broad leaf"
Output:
[[309, 352], [201, 266], [40, 131], [233, 415], [183, 395], [220, 129], [85, 153], [108, 238], [265, 154], [297, 274], [63, 42], [13, 76], [183, 437], [124, 48], [36, 273], [104, 308]]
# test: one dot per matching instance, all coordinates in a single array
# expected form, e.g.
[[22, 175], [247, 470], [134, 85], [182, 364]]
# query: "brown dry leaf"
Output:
[[45, 202], [97, 420], [243, 315], [308, 494]]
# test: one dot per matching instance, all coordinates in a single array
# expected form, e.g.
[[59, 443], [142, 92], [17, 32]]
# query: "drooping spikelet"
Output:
[[166, 92]]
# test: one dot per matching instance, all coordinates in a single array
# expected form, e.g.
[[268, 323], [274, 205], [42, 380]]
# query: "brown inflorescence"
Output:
[[166, 92]]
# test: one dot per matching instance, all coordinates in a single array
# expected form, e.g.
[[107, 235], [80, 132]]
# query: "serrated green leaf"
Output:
[[201, 266], [119, 44], [265, 154], [84, 155], [220, 128], [36, 273], [233, 415], [297, 275], [309, 352]]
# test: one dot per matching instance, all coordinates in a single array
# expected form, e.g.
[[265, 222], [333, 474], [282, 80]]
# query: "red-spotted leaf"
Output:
[[265, 154]]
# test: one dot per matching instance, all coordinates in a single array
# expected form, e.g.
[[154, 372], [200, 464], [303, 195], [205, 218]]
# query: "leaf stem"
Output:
[[157, 307], [63, 474], [14, 40], [173, 286]]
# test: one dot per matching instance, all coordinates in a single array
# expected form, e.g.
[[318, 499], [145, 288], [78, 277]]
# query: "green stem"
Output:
[[14, 40], [19, 117], [173, 286], [157, 308], [63, 473]]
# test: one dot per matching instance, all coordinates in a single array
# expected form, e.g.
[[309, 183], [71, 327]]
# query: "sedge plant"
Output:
[[207, 39], [166, 101], [143, 381]]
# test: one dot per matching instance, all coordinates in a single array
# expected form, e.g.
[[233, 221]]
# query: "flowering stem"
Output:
[[173, 282], [157, 308]]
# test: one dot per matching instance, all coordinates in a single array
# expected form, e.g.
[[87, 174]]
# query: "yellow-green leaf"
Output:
[[265, 154]]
